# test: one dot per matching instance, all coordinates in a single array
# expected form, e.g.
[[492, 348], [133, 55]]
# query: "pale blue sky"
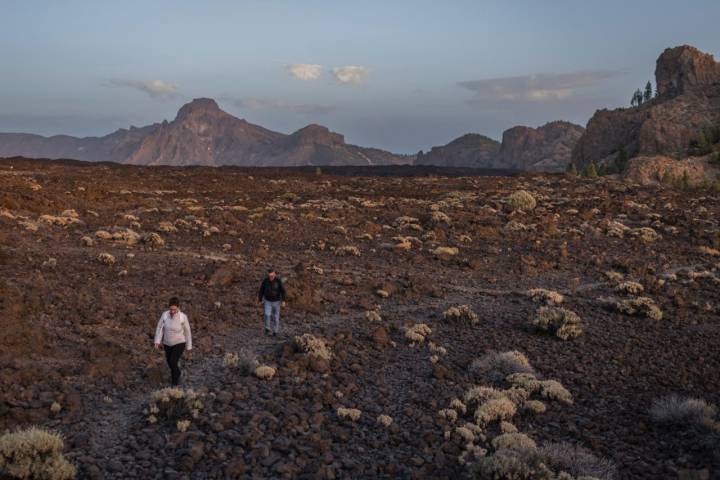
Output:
[[429, 70]]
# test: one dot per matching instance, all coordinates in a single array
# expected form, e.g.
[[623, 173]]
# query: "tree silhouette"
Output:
[[647, 96]]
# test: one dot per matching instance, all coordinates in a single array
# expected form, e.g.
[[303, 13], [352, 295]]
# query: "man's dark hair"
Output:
[[271, 270], [174, 302]]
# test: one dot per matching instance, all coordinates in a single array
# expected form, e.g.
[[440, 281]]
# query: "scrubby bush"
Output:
[[679, 410], [526, 381], [554, 461], [641, 307], [521, 200], [348, 251], [554, 390], [561, 322], [550, 297], [352, 414], [384, 420], [172, 403], [630, 287], [265, 372], [495, 366], [461, 313], [448, 414], [535, 406], [244, 361], [34, 453], [106, 259], [312, 345], [513, 440], [417, 333], [494, 410]]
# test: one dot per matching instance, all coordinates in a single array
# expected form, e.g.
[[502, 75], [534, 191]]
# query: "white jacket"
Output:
[[172, 330]]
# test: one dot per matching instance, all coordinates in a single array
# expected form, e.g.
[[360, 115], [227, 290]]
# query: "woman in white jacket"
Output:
[[173, 331]]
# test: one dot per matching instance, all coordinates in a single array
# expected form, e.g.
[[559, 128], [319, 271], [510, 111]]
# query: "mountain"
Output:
[[547, 148], [203, 134], [470, 150], [688, 100]]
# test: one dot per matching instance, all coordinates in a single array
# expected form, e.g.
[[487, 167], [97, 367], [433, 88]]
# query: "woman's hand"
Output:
[[157, 346]]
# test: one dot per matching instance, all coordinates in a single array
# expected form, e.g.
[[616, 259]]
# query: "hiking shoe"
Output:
[[267, 333], [274, 334]]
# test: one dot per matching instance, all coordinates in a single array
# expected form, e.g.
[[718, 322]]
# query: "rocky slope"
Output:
[[688, 85], [470, 150], [547, 148], [203, 134]]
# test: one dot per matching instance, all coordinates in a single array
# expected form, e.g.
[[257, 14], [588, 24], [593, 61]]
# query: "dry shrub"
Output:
[[535, 406], [172, 403], [265, 372], [417, 333], [563, 323], [513, 440], [507, 427], [34, 453], [630, 287], [352, 414], [448, 414], [461, 313], [549, 297], [385, 420], [554, 390], [445, 252], [678, 410], [494, 410], [312, 345], [496, 366], [526, 381], [521, 200], [553, 461], [465, 434], [458, 405], [244, 361], [373, 316], [347, 251], [153, 240], [481, 393], [106, 259], [183, 425], [641, 307]]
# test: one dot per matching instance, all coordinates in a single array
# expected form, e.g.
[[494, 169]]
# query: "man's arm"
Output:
[[282, 290], [261, 291]]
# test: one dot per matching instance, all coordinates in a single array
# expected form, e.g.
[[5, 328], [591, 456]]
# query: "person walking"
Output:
[[173, 332], [271, 295]]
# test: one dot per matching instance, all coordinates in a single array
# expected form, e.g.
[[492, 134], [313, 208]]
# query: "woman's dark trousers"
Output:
[[173, 354]]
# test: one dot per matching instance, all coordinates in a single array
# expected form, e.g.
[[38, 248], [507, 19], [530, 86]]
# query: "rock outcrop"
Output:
[[688, 85], [470, 150], [547, 148], [203, 134]]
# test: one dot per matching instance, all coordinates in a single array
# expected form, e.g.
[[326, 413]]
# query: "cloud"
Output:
[[251, 103], [350, 75], [304, 71], [154, 88], [542, 87]]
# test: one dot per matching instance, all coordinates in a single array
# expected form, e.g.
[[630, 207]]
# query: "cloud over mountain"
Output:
[[154, 88], [350, 74], [304, 71]]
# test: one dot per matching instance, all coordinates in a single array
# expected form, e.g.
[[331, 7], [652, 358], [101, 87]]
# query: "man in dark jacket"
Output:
[[271, 295]]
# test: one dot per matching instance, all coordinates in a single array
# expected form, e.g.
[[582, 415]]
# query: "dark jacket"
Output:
[[272, 291]]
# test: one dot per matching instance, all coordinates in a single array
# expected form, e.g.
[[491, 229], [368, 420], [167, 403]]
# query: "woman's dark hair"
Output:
[[174, 302]]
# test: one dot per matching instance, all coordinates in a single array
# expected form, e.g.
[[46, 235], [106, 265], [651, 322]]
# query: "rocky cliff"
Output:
[[471, 150], [688, 85], [203, 134], [547, 148]]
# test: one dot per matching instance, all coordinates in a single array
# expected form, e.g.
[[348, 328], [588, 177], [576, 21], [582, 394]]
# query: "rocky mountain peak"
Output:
[[684, 68], [317, 134], [197, 107]]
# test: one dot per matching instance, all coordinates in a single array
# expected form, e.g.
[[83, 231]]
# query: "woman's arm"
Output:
[[159, 331], [188, 333]]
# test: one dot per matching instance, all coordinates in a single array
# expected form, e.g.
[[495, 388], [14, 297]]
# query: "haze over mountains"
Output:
[[688, 100]]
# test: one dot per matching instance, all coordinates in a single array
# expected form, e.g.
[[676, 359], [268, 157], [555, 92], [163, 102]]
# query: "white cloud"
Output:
[[251, 103], [304, 71], [350, 74], [154, 88], [542, 87]]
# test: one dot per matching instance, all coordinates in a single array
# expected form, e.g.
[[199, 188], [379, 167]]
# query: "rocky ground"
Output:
[[364, 261]]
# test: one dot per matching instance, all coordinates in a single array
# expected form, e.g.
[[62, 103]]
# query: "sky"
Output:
[[398, 75]]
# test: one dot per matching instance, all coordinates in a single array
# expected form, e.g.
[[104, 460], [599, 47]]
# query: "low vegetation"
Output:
[[561, 322], [34, 453]]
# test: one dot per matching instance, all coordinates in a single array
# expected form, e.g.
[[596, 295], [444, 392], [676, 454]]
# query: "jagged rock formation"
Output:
[[547, 148], [203, 134], [470, 150], [688, 85]]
